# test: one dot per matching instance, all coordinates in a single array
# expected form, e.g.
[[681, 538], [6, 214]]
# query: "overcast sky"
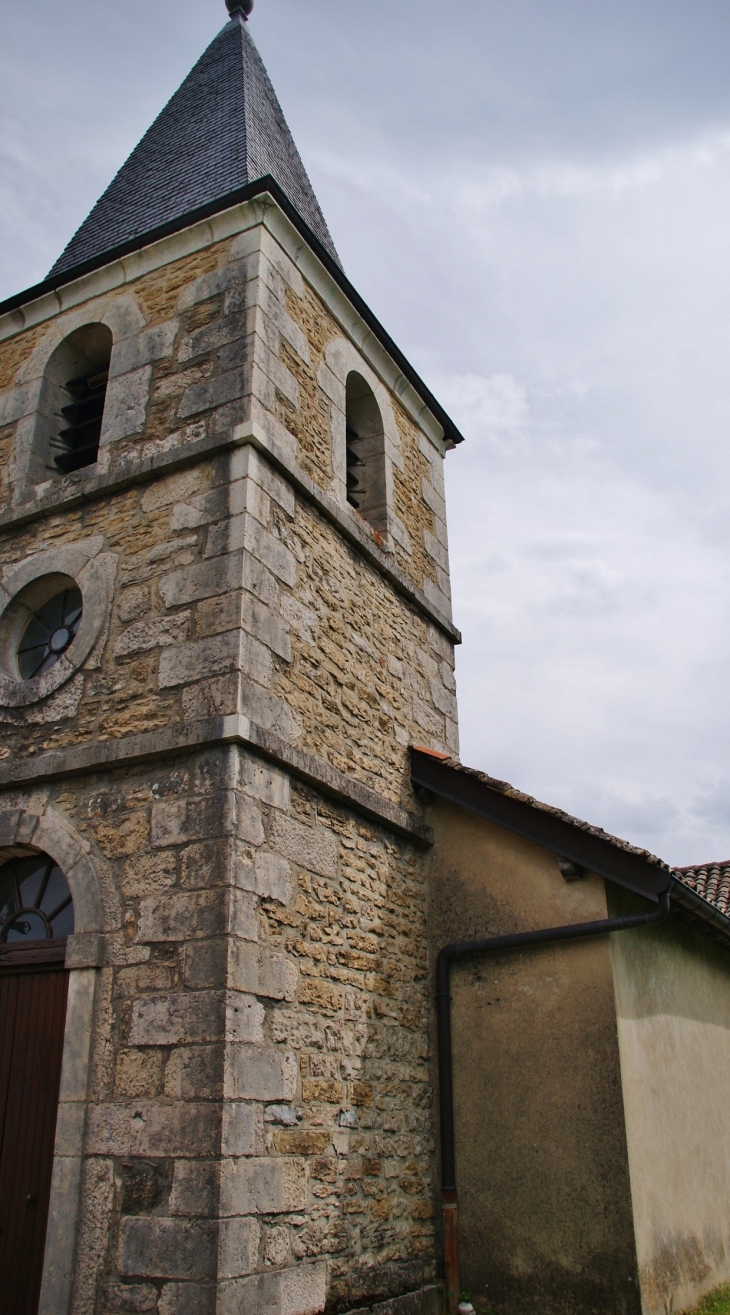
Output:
[[534, 197]]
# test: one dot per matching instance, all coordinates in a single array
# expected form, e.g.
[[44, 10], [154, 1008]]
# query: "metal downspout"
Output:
[[472, 949]]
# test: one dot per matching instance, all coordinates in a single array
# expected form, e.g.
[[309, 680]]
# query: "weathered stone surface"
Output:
[[298, 1291], [187, 1299], [261, 1073], [238, 1246], [130, 1296], [263, 1186], [168, 1248], [313, 848]]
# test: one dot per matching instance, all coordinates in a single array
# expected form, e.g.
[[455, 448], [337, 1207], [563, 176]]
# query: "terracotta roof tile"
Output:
[[711, 881]]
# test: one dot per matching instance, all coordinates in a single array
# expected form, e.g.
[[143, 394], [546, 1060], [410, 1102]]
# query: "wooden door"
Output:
[[32, 1017]]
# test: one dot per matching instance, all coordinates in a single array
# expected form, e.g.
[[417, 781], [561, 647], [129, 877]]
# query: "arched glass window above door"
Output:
[[35, 901]]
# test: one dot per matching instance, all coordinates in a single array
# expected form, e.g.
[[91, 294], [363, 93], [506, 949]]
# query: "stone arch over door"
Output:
[[27, 828]]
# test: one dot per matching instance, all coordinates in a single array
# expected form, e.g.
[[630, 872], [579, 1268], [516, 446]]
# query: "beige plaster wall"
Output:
[[673, 1005], [542, 1171]]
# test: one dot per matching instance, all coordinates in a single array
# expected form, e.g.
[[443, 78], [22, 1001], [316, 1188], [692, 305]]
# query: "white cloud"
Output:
[[538, 212]]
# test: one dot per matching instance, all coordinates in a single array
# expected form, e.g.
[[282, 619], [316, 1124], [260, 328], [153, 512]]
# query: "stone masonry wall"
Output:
[[259, 1109], [259, 1129], [231, 595], [200, 345]]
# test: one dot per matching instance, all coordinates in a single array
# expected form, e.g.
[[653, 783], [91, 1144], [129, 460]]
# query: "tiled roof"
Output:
[[709, 880], [702, 895], [222, 129]]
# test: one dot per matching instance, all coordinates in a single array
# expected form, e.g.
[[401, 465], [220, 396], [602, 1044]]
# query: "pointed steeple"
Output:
[[222, 129]]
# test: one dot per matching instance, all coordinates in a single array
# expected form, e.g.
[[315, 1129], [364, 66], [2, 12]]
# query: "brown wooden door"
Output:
[[32, 1016]]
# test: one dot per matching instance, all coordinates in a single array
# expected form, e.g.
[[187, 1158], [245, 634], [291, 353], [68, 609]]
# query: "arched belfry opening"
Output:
[[36, 917], [74, 393], [365, 453]]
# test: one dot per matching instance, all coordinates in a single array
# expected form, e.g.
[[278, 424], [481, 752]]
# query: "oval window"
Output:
[[49, 633], [35, 901]]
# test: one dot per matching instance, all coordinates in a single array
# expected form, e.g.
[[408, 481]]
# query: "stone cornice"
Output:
[[75, 490], [107, 755]]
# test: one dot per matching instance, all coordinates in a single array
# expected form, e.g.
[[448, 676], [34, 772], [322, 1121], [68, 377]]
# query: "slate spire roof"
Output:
[[222, 129]]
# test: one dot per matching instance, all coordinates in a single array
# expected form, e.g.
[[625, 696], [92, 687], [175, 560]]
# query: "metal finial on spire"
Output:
[[242, 7]]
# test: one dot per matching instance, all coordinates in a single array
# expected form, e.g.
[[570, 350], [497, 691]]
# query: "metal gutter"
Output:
[[702, 915]]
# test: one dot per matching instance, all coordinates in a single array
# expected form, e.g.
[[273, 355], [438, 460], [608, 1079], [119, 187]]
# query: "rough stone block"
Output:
[[209, 338], [444, 700], [187, 1299], [143, 348], [244, 1018], [159, 632], [233, 651], [266, 1186], [310, 847], [242, 1129], [205, 964], [238, 1244], [245, 532], [125, 406], [179, 821], [268, 710], [262, 971], [244, 916], [266, 782], [222, 388], [195, 1073], [167, 1248], [181, 917], [268, 628], [247, 463], [203, 580], [159, 1128], [298, 1291], [190, 1019], [261, 1073], [271, 877], [130, 1296], [194, 1188]]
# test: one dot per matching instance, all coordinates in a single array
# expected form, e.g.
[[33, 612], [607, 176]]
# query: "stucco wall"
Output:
[[673, 1003], [545, 1208]]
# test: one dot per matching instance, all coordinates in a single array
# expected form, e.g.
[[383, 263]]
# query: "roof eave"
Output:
[[631, 871], [700, 913], [249, 192]]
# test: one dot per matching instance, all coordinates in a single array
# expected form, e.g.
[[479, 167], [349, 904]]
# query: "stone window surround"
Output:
[[341, 358], [25, 830], [94, 573], [134, 348]]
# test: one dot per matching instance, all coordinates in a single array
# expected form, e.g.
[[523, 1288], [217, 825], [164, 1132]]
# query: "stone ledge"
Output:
[[84, 758], [76, 490], [426, 1301]]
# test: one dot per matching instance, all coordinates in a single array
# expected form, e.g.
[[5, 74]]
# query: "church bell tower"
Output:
[[224, 619]]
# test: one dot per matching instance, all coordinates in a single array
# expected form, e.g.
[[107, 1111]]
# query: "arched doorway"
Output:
[[36, 917]]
